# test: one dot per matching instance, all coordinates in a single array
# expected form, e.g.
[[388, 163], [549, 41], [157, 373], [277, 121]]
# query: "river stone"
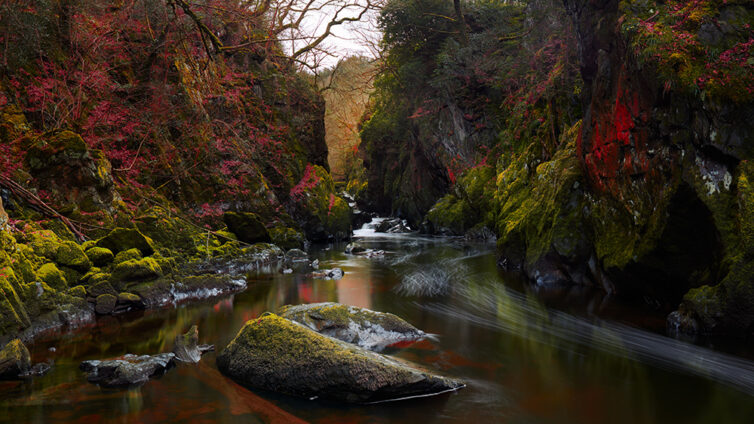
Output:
[[328, 274], [15, 360], [105, 304], [355, 248], [121, 239], [273, 353], [128, 370], [393, 225], [369, 329]]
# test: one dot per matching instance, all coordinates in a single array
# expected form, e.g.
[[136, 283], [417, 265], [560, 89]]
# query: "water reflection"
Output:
[[523, 360]]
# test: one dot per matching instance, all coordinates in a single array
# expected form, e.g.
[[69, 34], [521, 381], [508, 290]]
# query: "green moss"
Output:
[[14, 360], [71, 255], [246, 226], [127, 255], [99, 256], [541, 206], [105, 304], [100, 288], [121, 239], [127, 298], [136, 270], [78, 291], [13, 315], [50, 274], [287, 238], [44, 243]]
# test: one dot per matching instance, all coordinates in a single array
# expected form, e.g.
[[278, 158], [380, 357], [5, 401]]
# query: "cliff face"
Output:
[[633, 175], [665, 156]]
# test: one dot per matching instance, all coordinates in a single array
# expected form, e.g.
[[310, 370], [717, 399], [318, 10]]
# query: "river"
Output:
[[575, 357]]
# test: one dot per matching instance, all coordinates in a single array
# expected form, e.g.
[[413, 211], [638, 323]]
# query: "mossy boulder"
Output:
[[136, 270], [121, 239], [287, 238], [105, 304], [51, 274], [78, 291], [364, 327], [14, 360], [273, 353], [71, 255], [101, 287], [127, 255], [246, 226], [13, 313], [99, 256]]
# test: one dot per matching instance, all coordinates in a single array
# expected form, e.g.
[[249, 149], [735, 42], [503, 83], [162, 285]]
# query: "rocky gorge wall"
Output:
[[642, 187]]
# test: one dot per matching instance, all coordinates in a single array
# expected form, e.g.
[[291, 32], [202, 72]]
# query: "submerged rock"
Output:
[[364, 327], [328, 274], [15, 360], [129, 370], [277, 354]]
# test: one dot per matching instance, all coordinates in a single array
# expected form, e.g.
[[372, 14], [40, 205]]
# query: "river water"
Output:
[[566, 357]]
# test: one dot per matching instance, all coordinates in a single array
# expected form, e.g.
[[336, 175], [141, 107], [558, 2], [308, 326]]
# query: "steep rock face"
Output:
[[666, 167]]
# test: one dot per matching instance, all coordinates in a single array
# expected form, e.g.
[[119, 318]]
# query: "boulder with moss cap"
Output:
[[14, 360], [99, 255], [364, 327], [273, 353], [121, 239]]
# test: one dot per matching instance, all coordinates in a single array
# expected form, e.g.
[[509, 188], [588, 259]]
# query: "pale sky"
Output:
[[346, 40]]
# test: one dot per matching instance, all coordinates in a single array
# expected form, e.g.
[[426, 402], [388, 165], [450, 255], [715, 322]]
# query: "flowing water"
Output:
[[580, 358]]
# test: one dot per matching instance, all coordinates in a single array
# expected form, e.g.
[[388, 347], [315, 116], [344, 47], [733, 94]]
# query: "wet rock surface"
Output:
[[128, 370], [15, 360], [328, 274], [363, 327], [393, 226], [277, 354]]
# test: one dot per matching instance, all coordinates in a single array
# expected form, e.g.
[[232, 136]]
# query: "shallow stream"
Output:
[[579, 359]]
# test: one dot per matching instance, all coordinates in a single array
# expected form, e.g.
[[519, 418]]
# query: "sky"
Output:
[[346, 40]]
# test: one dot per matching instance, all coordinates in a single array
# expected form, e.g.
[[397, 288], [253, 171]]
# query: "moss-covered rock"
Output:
[[14, 360], [13, 314], [468, 205], [360, 326], [135, 270], [273, 353], [246, 226], [321, 213], [50, 274], [71, 255], [127, 255], [121, 239], [100, 288], [78, 291], [99, 256], [287, 238], [105, 304]]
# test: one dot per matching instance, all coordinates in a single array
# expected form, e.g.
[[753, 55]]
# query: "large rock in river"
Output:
[[277, 354], [364, 327]]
